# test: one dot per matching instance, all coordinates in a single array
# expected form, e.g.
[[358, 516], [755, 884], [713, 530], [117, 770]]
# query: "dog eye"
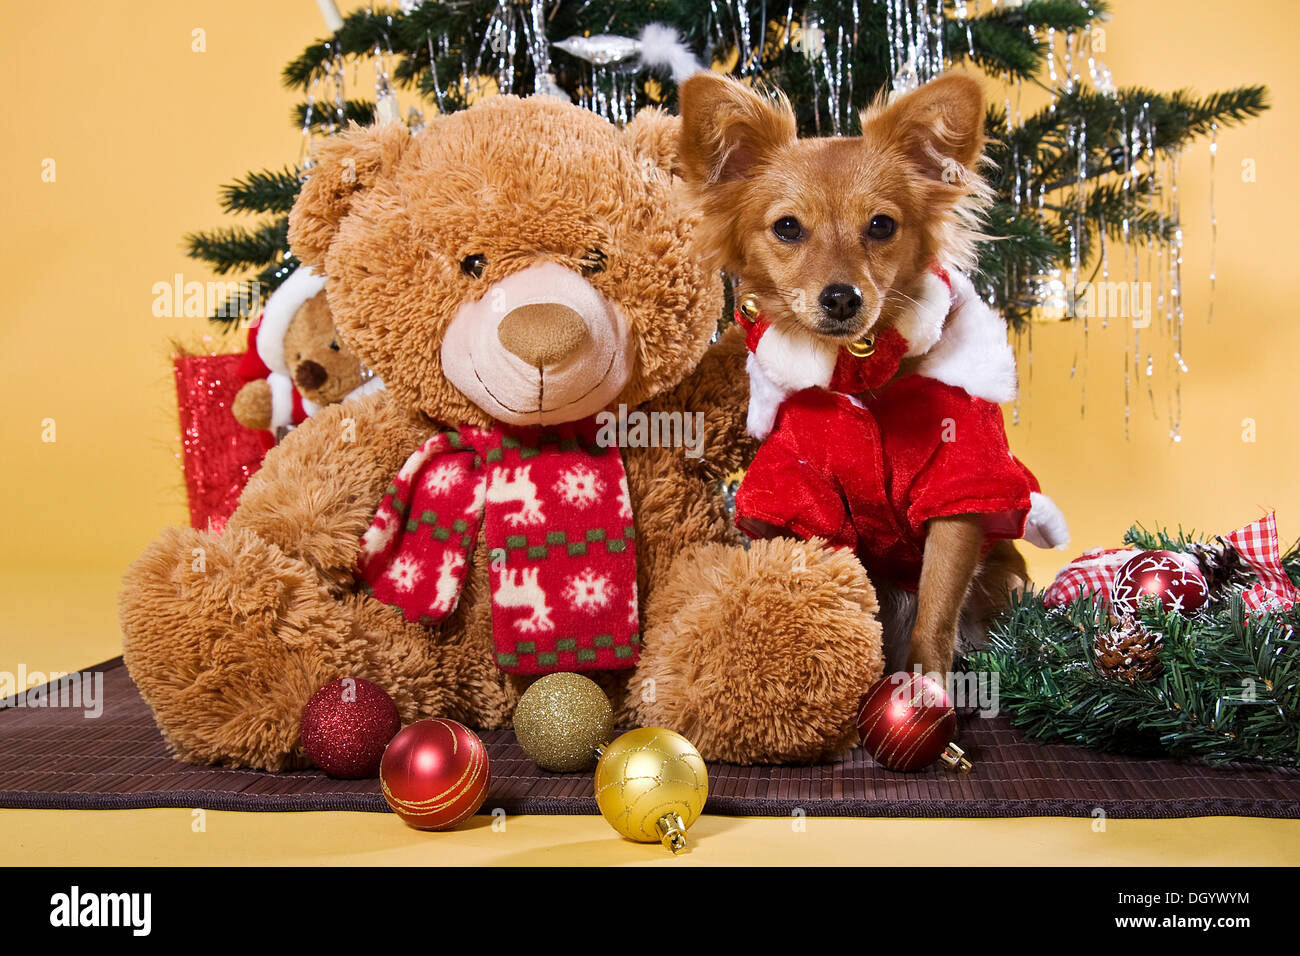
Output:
[[880, 227], [473, 266], [593, 261], [788, 229], [334, 346]]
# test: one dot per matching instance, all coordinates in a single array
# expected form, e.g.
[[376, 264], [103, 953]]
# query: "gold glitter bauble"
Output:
[[562, 720], [651, 785]]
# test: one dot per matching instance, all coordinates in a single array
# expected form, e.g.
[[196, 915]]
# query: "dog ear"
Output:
[[728, 128], [346, 166], [941, 125]]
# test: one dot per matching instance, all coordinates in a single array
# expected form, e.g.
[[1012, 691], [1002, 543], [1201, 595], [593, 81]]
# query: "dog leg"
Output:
[[952, 553], [1001, 574]]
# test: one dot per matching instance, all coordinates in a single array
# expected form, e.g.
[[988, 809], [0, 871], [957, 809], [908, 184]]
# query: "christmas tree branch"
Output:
[[1228, 689], [265, 191], [325, 116], [234, 247], [363, 33], [1005, 39], [1108, 126]]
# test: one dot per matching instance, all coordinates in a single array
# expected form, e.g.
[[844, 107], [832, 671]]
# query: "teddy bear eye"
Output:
[[473, 265], [334, 346], [788, 229], [593, 261]]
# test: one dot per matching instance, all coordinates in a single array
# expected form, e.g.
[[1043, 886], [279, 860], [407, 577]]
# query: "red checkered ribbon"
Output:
[[1091, 573], [1258, 547]]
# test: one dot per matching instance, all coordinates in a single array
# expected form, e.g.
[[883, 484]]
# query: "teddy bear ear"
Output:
[[346, 165], [653, 136]]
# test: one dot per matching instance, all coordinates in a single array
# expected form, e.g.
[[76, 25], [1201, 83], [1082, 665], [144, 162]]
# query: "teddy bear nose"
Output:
[[542, 333], [310, 375]]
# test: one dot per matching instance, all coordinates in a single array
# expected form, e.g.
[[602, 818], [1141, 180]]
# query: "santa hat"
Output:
[[265, 356], [281, 307]]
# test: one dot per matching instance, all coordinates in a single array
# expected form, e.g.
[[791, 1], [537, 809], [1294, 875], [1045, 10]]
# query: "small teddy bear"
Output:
[[296, 363]]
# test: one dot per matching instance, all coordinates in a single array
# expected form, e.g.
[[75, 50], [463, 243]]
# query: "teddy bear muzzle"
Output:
[[552, 347], [310, 375]]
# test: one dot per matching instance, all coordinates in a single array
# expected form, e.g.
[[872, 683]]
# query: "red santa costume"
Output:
[[864, 458]]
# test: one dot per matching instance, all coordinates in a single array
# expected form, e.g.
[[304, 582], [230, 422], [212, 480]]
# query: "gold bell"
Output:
[[749, 306], [954, 758], [862, 347]]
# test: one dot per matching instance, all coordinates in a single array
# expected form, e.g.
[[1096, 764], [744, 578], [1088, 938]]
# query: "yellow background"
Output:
[[142, 130]]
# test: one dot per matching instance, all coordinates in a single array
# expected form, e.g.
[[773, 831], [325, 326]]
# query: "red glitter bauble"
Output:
[[346, 726], [1172, 579], [906, 721], [435, 774]]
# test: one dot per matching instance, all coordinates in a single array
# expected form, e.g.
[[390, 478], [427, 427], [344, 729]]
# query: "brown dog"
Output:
[[833, 241]]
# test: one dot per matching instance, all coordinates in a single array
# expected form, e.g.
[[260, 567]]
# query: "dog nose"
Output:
[[310, 375], [840, 302], [542, 334]]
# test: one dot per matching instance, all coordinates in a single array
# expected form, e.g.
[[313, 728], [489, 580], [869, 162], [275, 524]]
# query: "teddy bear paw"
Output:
[[227, 638], [760, 655]]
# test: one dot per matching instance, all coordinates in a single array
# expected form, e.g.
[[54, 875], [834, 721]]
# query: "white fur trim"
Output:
[[795, 360], [922, 324], [281, 399], [765, 399], [661, 45], [370, 385], [973, 352], [281, 307], [1045, 527]]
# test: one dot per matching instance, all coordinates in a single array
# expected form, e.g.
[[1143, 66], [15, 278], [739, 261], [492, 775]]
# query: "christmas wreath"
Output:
[[1215, 677]]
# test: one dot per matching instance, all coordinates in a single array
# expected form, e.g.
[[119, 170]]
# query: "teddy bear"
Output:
[[522, 275], [296, 362]]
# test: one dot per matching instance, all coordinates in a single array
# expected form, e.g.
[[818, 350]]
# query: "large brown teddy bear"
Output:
[[512, 271]]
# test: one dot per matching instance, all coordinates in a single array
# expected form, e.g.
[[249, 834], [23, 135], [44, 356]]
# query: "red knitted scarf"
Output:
[[557, 519]]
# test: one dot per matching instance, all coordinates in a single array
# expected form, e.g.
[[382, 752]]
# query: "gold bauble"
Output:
[[562, 720], [651, 785]]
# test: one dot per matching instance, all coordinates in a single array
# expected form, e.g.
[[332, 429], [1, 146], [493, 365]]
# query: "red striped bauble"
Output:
[[435, 774], [906, 720]]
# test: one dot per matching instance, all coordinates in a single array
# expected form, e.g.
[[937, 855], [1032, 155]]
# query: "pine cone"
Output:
[[1128, 651], [1221, 565]]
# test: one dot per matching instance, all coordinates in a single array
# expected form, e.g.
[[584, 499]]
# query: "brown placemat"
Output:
[[56, 758]]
